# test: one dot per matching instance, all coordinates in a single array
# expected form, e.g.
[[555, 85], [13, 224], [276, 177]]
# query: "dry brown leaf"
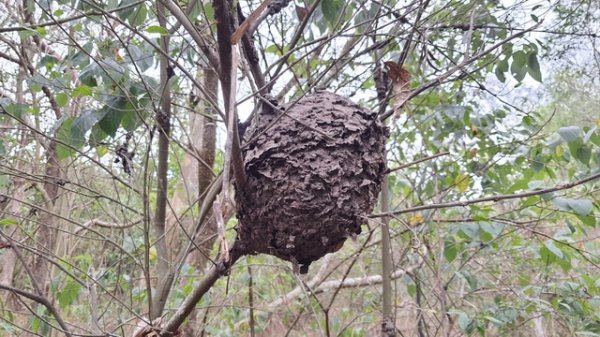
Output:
[[400, 78]]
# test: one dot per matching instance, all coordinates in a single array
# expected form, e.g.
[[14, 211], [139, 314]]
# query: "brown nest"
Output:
[[314, 171]]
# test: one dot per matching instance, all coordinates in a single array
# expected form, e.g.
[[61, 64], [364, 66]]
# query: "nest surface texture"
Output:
[[314, 171]]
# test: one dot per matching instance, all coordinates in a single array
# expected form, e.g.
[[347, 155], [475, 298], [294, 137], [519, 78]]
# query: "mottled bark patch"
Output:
[[314, 170]]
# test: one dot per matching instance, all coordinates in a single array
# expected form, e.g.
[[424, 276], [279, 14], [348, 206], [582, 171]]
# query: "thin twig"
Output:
[[418, 161]]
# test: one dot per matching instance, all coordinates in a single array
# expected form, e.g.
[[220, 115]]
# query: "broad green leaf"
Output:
[[450, 250], [518, 67], [61, 99], [494, 229], [111, 121], [502, 65], [68, 294], [581, 206], [537, 163], [332, 9], [583, 154], [499, 75], [88, 75], [463, 321], [569, 133], [547, 256], [47, 61], [68, 141], [124, 14], [82, 90], [471, 280], [588, 220], [561, 203], [552, 248], [16, 109], [97, 135], [138, 17], [131, 119], [533, 67], [86, 121], [469, 231]]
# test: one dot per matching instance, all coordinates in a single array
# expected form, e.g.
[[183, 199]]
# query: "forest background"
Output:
[[113, 140]]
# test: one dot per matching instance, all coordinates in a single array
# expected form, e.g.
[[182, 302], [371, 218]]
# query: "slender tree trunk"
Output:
[[46, 235], [203, 144], [206, 152], [163, 118]]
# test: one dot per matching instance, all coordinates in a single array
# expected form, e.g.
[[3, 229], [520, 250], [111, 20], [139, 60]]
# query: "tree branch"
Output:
[[43, 301], [418, 161], [188, 305], [486, 199]]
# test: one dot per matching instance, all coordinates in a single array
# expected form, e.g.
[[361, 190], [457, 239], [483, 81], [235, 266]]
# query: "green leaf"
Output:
[[331, 9], [569, 133], [547, 256], [500, 75], [209, 12], [561, 203], [88, 75], [111, 121], [68, 141], [549, 244], [581, 206], [124, 14], [16, 109], [82, 90], [131, 120], [8, 222], [450, 250], [583, 154], [494, 229], [61, 99], [101, 151], [494, 320], [138, 17], [97, 135], [518, 67], [115, 107], [502, 65], [588, 220], [463, 320], [86, 121], [462, 182], [533, 67], [68, 294], [157, 29]]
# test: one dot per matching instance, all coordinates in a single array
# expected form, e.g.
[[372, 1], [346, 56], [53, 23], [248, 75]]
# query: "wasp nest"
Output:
[[313, 170]]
